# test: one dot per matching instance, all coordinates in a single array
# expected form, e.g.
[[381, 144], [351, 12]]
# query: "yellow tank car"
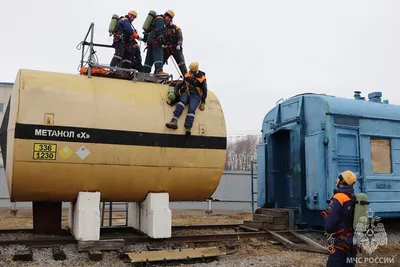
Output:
[[65, 133]]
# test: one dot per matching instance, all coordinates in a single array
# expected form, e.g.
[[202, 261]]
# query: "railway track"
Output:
[[125, 229], [291, 239]]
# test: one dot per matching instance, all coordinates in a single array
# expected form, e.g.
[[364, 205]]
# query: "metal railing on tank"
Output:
[[113, 72]]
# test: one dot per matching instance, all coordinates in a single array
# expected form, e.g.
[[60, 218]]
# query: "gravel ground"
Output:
[[251, 253], [204, 231], [21, 236], [275, 257]]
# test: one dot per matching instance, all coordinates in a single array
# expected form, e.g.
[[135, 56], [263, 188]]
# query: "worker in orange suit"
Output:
[[194, 92], [124, 41]]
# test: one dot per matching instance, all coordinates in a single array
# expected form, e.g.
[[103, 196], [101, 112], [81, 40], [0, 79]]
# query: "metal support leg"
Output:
[[110, 215], [102, 213], [91, 49], [291, 219], [252, 187]]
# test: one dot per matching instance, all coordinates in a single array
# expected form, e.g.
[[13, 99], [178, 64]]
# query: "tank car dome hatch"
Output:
[[65, 133]]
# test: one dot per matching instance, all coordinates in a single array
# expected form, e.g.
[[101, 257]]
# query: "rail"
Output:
[[117, 72], [284, 237]]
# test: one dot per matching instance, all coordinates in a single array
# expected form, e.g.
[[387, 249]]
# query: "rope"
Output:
[[93, 61], [176, 67], [175, 64]]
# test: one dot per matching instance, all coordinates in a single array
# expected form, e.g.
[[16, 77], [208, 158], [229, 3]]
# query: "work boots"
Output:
[[173, 124], [160, 72], [188, 132]]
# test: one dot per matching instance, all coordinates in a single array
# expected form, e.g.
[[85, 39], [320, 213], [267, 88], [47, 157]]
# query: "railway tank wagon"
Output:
[[63, 134], [309, 139]]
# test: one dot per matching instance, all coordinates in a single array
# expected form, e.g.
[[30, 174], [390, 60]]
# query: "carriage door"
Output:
[[347, 154]]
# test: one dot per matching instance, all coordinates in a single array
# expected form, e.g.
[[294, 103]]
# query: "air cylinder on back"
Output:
[[149, 20]]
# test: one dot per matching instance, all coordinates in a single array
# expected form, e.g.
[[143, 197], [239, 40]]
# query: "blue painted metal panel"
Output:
[[281, 137], [336, 133], [347, 155], [383, 189], [289, 110], [315, 171], [6, 83], [261, 174], [362, 109]]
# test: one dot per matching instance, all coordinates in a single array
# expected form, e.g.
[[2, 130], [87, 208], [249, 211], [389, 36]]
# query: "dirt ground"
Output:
[[23, 218], [254, 252]]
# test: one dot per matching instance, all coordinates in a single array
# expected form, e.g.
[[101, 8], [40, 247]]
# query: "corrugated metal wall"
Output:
[[233, 193]]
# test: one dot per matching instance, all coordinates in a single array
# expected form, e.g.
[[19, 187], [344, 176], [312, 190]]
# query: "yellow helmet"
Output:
[[348, 177], [170, 13], [132, 12], [194, 66]]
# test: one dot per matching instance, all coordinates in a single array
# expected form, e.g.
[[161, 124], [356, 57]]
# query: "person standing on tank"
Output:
[[194, 87], [154, 41], [173, 40], [339, 222], [124, 41]]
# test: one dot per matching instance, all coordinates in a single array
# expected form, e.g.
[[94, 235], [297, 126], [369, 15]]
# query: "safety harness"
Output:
[[338, 239], [156, 40], [120, 36]]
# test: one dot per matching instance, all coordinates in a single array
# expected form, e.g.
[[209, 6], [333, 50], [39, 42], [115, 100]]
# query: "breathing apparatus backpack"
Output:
[[112, 28], [358, 209], [149, 21]]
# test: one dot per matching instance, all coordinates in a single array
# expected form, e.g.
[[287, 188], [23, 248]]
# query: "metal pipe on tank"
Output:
[[357, 95]]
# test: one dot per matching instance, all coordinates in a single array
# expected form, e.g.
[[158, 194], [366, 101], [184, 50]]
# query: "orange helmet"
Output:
[[133, 12], [348, 177], [170, 13]]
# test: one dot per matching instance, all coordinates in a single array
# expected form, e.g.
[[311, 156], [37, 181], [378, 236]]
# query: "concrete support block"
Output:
[[152, 216], [84, 218], [134, 215]]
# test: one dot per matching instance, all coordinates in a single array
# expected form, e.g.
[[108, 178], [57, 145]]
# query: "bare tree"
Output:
[[241, 152]]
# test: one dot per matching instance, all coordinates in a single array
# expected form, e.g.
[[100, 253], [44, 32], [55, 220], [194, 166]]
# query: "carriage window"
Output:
[[380, 156]]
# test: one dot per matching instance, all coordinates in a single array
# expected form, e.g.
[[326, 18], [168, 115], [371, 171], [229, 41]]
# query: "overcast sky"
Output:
[[253, 52]]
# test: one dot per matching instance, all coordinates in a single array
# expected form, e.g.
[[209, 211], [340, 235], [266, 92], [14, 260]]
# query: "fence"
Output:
[[233, 193]]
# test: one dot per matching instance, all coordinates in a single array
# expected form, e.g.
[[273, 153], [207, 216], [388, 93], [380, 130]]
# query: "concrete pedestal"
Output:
[[152, 216], [84, 218]]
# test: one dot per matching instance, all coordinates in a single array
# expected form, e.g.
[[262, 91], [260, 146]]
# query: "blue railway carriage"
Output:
[[309, 139]]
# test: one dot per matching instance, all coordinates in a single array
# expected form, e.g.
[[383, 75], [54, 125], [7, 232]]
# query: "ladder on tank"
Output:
[[253, 177], [114, 72], [114, 213]]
